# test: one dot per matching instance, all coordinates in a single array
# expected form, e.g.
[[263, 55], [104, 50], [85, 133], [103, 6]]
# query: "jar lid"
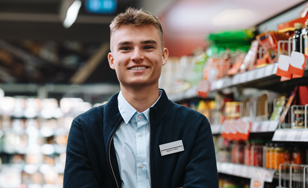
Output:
[[279, 145], [298, 26]]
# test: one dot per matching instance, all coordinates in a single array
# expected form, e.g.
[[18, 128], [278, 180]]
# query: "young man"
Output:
[[140, 139]]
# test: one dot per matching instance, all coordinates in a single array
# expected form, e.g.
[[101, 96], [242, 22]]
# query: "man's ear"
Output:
[[111, 61], [165, 55]]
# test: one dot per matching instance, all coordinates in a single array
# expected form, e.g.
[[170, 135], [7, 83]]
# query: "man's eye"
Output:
[[148, 47], [125, 48]]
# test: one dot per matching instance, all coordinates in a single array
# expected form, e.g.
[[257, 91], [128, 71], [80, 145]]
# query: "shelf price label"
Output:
[[291, 135], [265, 125], [256, 183], [304, 136], [237, 170], [216, 129], [243, 78], [277, 135], [275, 68], [236, 79], [251, 75], [260, 73], [219, 83], [268, 70], [272, 126]]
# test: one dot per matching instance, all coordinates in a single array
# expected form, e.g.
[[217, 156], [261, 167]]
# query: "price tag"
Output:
[[243, 78], [268, 70], [272, 126], [244, 170], [223, 167], [277, 135], [256, 126], [236, 79], [291, 135], [213, 86], [298, 135], [304, 136], [268, 175], [215, 129], [230, 168], [265, 125], [251, 75], [219, 83], [227, 82], [250, 172], [256, 183], [237, 170], [260, 73], [218, 167]]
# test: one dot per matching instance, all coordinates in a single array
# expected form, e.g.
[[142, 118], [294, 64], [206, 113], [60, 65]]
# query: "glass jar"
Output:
[[279, 156]]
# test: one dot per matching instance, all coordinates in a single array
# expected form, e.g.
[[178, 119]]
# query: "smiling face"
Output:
[[137, 55]]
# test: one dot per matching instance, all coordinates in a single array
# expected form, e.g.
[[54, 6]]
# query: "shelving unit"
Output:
[[269, 135], [246, 171], [33, 137], [262, 78]]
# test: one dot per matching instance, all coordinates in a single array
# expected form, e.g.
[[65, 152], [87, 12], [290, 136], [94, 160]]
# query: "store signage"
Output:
[[293, 65], [101, 6], [236, 129]]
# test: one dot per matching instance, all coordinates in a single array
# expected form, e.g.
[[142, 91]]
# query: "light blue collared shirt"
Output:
[[131, 143]]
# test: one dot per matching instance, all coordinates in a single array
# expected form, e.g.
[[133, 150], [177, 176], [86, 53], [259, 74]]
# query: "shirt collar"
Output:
[[127, 111]]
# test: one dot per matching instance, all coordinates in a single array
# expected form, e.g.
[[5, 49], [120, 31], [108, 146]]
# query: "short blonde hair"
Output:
[[135, 18]]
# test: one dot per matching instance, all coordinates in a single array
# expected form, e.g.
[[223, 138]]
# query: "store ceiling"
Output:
[[215, 15], [38, 21]]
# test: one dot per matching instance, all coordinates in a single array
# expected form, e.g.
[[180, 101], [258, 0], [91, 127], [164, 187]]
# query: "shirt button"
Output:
[[140, 134], [140, 116], [141, 166]]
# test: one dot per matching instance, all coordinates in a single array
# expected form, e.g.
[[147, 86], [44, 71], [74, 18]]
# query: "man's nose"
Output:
[[137, 55]]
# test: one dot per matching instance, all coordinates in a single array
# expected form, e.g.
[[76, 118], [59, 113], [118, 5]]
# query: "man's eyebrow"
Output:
[[149, 42], [125, 43]]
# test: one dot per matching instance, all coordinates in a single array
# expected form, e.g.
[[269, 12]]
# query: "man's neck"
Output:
[[141, 98]]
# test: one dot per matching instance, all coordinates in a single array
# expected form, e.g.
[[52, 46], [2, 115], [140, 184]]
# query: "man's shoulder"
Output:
[[91, 114]]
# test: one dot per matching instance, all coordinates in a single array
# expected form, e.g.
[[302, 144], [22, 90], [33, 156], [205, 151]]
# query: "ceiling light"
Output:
[[232, 17], [72, 14]]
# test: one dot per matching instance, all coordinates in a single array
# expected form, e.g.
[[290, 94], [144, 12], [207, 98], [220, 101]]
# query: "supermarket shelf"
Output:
[[286, 176], [246, 171], [188, 94], [256, 127], [291, 135], [261, 78], [62, 88], [263, 126], [33, 167], [46, 149]]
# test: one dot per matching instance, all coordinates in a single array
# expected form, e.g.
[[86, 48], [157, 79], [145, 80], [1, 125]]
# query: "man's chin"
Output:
[[138, 84]]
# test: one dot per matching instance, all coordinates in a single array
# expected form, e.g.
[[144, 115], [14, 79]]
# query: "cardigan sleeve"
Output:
[[201, 170], [78, 169]]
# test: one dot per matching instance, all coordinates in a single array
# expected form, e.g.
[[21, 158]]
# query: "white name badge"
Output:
[[172, 147]]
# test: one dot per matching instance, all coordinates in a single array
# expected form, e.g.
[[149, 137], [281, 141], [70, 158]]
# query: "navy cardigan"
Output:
[[91, 160]]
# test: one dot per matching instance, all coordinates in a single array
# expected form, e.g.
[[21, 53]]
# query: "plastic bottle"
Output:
[[297, 158], [306, 38], [267, 159], [296, 38]]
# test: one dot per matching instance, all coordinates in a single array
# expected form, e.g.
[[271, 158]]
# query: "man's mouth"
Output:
[[137, 68]]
